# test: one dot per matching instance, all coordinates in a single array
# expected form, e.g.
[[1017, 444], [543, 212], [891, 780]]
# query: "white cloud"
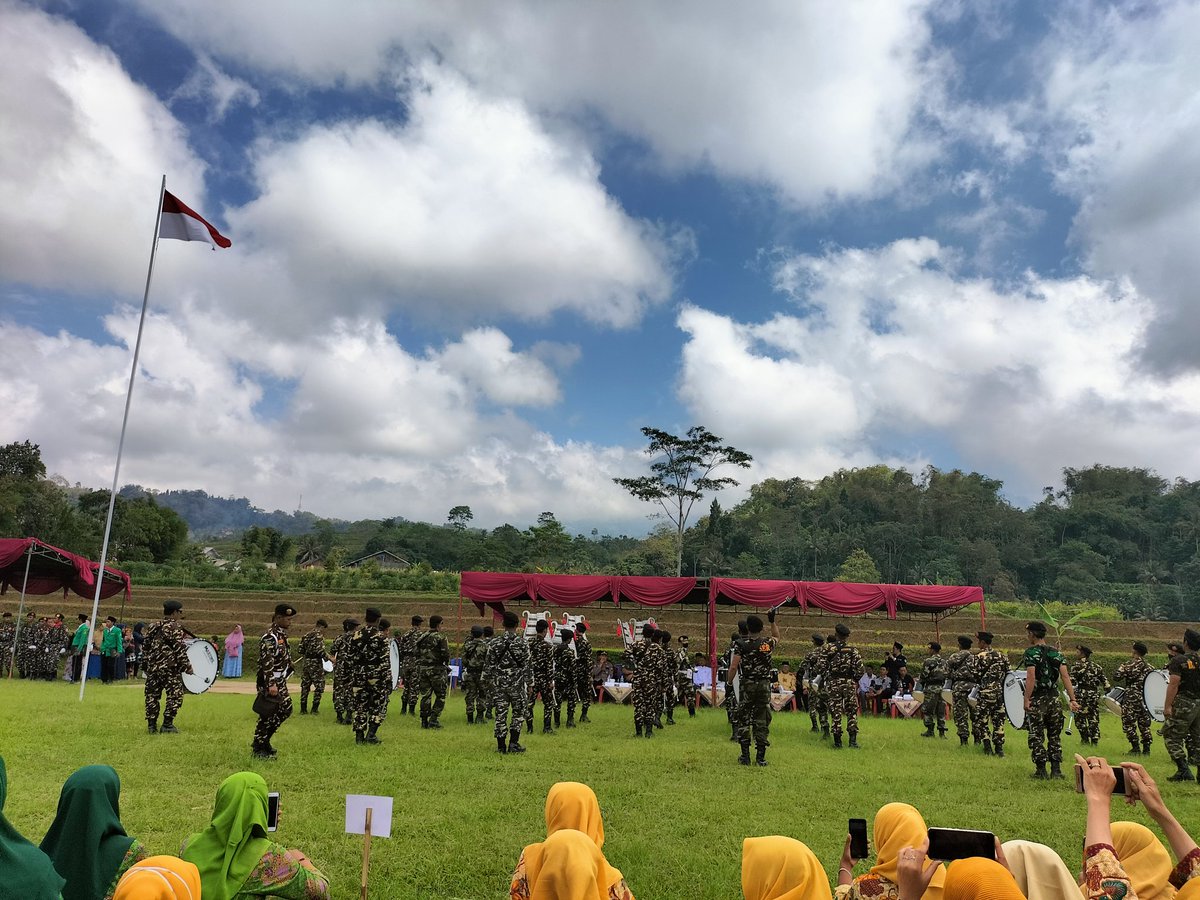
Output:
[[1122, 96], [896, 349], [222, 91], [81, 152]]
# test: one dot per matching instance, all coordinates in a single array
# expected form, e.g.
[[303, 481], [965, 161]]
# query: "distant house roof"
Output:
[[385, 558]]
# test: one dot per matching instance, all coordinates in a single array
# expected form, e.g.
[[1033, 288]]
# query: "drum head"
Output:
[[1014, 698], [1112, 700], [394, 660], [204, 666], [948, 694], [1154, 692], [973, 697], [327, 665], [919, 696]]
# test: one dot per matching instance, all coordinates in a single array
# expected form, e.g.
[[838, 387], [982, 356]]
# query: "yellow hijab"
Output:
[[977, 878], [1190, 891], [1144, 859], [781, 868], [1039, 871], [160, 878], [568, 866], [899, 825], [570, 804]]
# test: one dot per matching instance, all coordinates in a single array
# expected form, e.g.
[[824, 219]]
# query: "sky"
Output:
[[476, 247]]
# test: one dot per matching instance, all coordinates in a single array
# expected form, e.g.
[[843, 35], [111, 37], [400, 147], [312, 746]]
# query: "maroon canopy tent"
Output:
[[494, 589]]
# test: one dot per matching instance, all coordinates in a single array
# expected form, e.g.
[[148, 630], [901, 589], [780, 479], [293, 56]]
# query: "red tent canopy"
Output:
[[51, 569]]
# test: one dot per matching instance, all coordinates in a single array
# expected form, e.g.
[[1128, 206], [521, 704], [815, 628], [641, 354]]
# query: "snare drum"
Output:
[[1112, 700], [203, 659], [327, 665], [1154, 692], [973, 697], [948, 692], [1014, 698]]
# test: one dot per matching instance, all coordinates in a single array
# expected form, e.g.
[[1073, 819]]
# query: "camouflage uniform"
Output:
[[1134, 715], [274, 667], [731, 691], [410, 664], [583, 673], [1044, 719], [1182, 727], [645, 684], [507, 665], [541, 670], [312, 651], [434, 653], [565, 682], [818, 711], [474, 659], [1089, 682], [961, 669], [991, 668], [844, 667], [933, 679], [666, 680], [8, 635], [341, 679], [685, 687], [754, 712], [166, 663], [29, 652], [369, 671]]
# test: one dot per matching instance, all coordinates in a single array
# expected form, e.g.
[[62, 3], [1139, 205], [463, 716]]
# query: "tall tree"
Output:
[[681, 471], [459, 517]]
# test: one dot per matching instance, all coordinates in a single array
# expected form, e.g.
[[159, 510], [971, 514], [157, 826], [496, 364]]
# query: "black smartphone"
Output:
[[959, 843], [858, 839], [272, 810], [1117, 770]]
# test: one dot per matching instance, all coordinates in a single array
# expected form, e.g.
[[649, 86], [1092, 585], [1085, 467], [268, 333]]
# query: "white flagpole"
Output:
[[20, 612], [112, 497]]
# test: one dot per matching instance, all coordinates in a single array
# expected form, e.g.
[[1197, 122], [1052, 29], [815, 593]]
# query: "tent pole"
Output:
[[112, 497], [712, 644], [20, 611]]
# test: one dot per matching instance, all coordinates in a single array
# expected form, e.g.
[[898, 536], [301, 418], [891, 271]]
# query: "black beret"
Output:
[[417, 620], [321, 623], [372, 614], [435, 621], [935, 646], [1084, 649], [1140, 649], [985, 636], [818, 639], [488, 631], [511, 620], [542, 625], [1038, 629], [170, 606], [284, 609], [349, 624], [581, 627], [842, 630], [476, 631]]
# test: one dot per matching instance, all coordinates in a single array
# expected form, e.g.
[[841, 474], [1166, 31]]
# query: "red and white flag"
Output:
[[181, 223]]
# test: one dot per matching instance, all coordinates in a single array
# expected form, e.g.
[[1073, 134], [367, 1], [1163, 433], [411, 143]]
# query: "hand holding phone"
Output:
[[960, 843], [858, 839], [272, 810], [1117, 771]]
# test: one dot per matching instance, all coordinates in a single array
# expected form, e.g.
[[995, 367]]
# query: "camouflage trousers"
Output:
[[583, 687], [266, 727], [489, 692], [1135, 718], [433, 685], [472, 682], [685, 692], [509, 693], [754, 713], [546, 690], [843, 703], [990, 715], [169, 685], [818, 707], [410, 675], [1044, 719], [341, 694], [966, 720], [369, 702], [933, 708], [1088, 717], [731, 703], [565, 689], [647, 694], [1181, 732], [312, 677]]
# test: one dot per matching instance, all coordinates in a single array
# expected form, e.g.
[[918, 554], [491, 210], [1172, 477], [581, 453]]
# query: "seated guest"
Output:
[[976, 878], [570, 806], [787, 678], [864, 686], [1040, 872], [1140, 785], [568, 866], [898, 827], [86, 841], [602, 670], [26, 873], [235, 857], [781, 868], [879, 692], [903, 684], [160, 878]]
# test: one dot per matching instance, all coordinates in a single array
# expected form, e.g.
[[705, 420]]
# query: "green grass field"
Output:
[[676, 808]]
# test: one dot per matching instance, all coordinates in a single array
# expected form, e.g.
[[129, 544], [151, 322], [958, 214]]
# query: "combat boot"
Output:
[[152, 727], [928, 732], [1146, 748], [1134, 749], [691, 712], [1039, 771], [340, 720], [168, 728], [316, 706], [1183, 773], [570, 720], [638, 729], [649, 730], [584, 718], [529, 726], [470, 717], [824, 732], [987, 747], [371, 737], [424, 722], [837, 742], [546, 729], [514, 741], [854, 741], [962, 742], [1055, 769], [360, 737], [260, 752], [744, 759], [760, 755], [434, 723], [815, 727], [500, 745], [1000, 750], [557, 718], [304, 707], [942, 734]]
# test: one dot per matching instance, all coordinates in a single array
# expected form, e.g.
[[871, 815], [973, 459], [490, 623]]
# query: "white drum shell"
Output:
[[1014, 698], [1112, 700], [205, 666], [394, 662], [1154, 692]]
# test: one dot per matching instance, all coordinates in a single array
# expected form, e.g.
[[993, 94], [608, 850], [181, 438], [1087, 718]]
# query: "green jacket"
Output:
[[112, 643]]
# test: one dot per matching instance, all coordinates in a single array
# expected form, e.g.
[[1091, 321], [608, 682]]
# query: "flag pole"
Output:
[[20, 611], [112, 497]]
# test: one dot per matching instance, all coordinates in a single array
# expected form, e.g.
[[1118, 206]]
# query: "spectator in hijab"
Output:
[[781, 868], [160, 878], [26, 873]]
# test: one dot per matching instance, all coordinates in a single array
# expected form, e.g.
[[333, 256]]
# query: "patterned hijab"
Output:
[[27, 873], [160, 878], [781, 868], [899, 825], [230, 847], [86, 840], [977, 878], [1039, 871], [566, 866], [570, 804], [1144, 859]]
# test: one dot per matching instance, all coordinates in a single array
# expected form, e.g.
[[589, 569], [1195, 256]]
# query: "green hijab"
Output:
[[86, 841], [26, 873], [230, 847]]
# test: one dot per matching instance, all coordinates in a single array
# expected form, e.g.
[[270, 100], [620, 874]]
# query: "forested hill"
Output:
[[212, 517]]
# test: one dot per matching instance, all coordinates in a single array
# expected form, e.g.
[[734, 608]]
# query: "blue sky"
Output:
[[477, 248]]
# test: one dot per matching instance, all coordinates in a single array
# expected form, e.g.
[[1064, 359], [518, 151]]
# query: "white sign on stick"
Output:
[[381, 814]]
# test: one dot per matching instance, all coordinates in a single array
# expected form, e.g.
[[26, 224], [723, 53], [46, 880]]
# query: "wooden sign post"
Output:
[[370, 817], [366, 853]]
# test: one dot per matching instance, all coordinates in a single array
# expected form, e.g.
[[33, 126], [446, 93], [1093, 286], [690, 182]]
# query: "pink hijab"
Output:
[[233, 642]]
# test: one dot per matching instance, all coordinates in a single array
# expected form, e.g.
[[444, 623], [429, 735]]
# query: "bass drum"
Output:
[[1112, 700], [1154, 692], [1014, 698], [394, 662], [203, 658]]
